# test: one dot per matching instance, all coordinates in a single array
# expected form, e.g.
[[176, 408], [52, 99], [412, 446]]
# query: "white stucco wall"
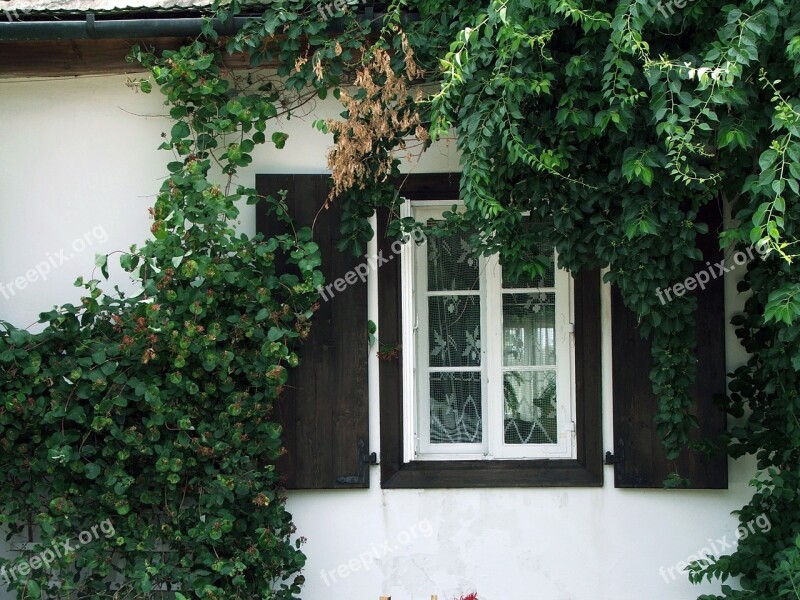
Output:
[[78, 161]]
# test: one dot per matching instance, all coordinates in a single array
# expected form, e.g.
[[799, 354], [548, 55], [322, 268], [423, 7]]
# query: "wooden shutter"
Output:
[[324, 408], [639, 457]]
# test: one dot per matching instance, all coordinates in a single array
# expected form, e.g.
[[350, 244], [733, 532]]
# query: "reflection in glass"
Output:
[[529, 329], [456, 408], [531, 415]]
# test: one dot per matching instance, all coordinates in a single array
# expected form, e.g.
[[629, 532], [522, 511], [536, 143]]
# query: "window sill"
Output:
[[490, 474]]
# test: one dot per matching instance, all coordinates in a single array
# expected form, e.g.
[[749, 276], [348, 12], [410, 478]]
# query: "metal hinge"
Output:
[[618, 456], [364, 459]]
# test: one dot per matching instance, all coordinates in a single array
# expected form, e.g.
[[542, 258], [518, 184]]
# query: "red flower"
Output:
[[472, 596]]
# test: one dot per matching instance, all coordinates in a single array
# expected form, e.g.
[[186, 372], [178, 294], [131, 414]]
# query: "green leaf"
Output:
[[92, 471], [101, 260], [279, 139], [180, 131], [647, 176], [766, 159], [32, 589]]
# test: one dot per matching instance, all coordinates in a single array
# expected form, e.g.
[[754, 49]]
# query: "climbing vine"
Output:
[[613, 124], [149, 417], [603, 126]]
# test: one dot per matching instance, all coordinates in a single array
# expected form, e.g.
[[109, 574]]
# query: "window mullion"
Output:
[[493, 355]]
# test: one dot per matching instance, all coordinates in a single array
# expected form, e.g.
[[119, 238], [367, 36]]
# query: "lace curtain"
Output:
[[455, 360]]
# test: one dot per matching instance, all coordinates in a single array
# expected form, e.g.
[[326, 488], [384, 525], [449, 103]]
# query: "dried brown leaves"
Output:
[[378, 122]]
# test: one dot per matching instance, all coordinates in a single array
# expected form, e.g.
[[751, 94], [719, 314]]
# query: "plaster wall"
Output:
[[79, 168]]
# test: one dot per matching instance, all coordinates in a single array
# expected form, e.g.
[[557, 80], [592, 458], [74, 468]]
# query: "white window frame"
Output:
[[415, 376]]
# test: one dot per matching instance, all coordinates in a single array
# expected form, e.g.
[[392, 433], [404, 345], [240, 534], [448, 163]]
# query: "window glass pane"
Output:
[[454, 331], [529, 329], [543, 250], [451, 264], [456, 407], [530, 407]]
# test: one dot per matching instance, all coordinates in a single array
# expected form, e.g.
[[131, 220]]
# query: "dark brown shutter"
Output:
[[639, 456], [324, 408]]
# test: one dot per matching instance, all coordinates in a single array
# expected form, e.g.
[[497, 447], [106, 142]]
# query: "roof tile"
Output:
[[47, 6]]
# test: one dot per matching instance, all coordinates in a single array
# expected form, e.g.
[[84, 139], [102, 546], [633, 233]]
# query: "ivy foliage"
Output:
[[611, 125], [152, 413]]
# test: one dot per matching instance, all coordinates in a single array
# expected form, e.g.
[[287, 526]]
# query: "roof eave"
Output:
[[91, 27]]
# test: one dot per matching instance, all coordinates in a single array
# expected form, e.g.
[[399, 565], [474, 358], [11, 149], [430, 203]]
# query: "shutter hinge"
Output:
[[617, 457], [571, 327], [364, 458]]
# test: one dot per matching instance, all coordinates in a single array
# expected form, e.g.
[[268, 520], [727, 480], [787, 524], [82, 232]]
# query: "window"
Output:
[[490, 360], [517, 351], [325, 409]]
